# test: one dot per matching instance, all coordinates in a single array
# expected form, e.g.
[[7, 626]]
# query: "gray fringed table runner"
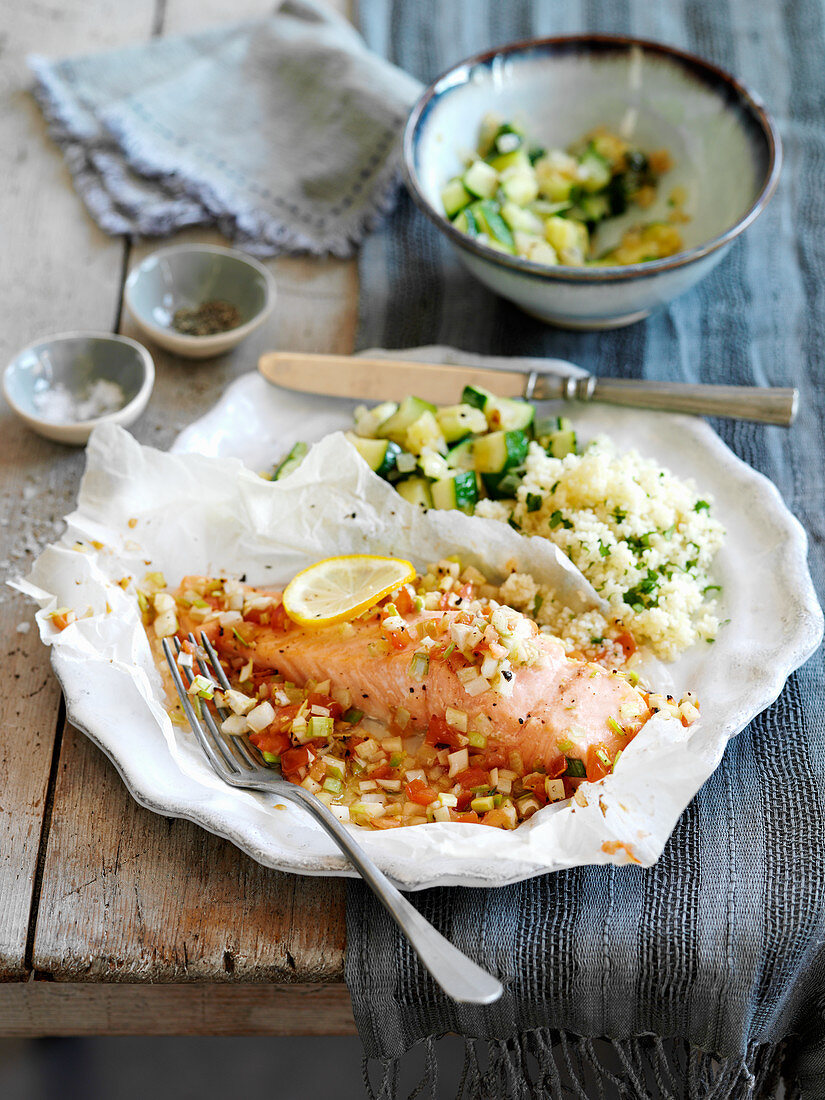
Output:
[[719, 950]]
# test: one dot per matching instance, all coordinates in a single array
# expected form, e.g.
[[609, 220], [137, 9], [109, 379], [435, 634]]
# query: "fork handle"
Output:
[[458, 976]]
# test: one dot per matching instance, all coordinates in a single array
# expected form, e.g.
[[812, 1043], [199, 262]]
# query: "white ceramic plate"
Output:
[[775, 624]]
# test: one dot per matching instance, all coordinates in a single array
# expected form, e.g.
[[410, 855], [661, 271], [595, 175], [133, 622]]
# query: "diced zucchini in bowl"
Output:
[[481, 180], [595, 172], [512, 192], [568, 237], [521, 220], [459, 492], [416, 491], [592, 208], [516, 162], [380, 455], [491, 223], [554, 185], [466, 222], [457, 421], [395, 426], [537, 250], [520, 186], [455, 197]]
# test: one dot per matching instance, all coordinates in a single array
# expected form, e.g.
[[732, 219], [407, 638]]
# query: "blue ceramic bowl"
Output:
[[725, 145]]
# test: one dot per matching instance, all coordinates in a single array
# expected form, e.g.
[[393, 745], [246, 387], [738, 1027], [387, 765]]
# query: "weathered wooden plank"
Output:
[[29, 1009], [130, 896], [47, 239], [126, 895]]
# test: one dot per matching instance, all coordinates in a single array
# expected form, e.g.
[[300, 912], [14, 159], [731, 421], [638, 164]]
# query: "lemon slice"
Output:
[[337, 589]]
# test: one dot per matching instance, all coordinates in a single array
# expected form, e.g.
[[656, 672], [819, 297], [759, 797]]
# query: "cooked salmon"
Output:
[[554, 707]]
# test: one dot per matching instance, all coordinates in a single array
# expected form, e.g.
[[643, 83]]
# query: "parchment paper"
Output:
[[141, 509]]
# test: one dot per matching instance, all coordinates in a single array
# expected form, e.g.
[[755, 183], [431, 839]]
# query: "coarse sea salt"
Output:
[[59, 405]]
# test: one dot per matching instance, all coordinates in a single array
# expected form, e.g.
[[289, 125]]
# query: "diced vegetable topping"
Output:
[[547, 206], [381, 775]]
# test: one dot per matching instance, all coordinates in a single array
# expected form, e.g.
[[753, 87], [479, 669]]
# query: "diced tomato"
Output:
[[380, 771], [397, 638], [404, 602], [596, 767], [557, 768], [473, 777], [279, 620], [284, 716], [628, 643], [315, 700], [498, 819], [534, 781], [471, 817], [439, 733], [295, 759], [269, 740], [419, 792], [464, 799]]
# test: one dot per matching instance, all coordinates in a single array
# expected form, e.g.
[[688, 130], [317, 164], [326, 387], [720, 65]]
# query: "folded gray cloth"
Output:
[[282, 132]]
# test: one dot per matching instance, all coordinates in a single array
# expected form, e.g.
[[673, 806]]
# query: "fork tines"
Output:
[[205, 726]]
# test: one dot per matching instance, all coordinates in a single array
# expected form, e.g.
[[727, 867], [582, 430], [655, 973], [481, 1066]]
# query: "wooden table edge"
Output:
[[44, 1008]]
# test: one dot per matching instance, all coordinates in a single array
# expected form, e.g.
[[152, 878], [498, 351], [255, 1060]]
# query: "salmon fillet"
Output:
[[556, 707]]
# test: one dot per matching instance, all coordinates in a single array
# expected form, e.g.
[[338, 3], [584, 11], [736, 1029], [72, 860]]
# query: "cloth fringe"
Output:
[[554, 1065], [130, 187]]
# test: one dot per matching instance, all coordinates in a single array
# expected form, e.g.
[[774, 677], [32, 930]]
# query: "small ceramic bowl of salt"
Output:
[[64, 386]]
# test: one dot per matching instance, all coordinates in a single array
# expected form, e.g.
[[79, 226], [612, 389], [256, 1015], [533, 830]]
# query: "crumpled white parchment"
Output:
[[140, 509]]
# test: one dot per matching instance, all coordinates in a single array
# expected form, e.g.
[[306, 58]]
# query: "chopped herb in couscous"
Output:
[[644, 539]]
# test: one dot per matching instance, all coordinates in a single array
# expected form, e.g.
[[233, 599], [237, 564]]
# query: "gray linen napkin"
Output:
[[706, 972], [282, 132]]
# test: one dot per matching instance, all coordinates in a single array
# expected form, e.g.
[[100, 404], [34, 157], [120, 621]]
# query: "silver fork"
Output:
[[240, 764]]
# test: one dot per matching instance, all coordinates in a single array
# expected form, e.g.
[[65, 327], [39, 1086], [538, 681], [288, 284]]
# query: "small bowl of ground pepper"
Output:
[[199, 300]]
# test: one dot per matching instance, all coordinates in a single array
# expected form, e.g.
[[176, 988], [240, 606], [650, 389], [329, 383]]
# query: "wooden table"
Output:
[[113, 920]]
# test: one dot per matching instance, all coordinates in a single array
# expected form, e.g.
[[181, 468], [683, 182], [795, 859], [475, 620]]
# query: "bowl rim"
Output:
[[576, 275], [235, 335], [141, 397]]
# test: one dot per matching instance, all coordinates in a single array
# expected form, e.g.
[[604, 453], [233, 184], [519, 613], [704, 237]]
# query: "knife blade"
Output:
[[384, 379], [394, 379]]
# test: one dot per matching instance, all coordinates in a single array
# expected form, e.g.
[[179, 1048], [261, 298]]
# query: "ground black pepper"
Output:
[[207, 319]]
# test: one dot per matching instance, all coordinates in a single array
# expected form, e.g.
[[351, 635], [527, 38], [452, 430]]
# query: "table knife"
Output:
[[394, 379]]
